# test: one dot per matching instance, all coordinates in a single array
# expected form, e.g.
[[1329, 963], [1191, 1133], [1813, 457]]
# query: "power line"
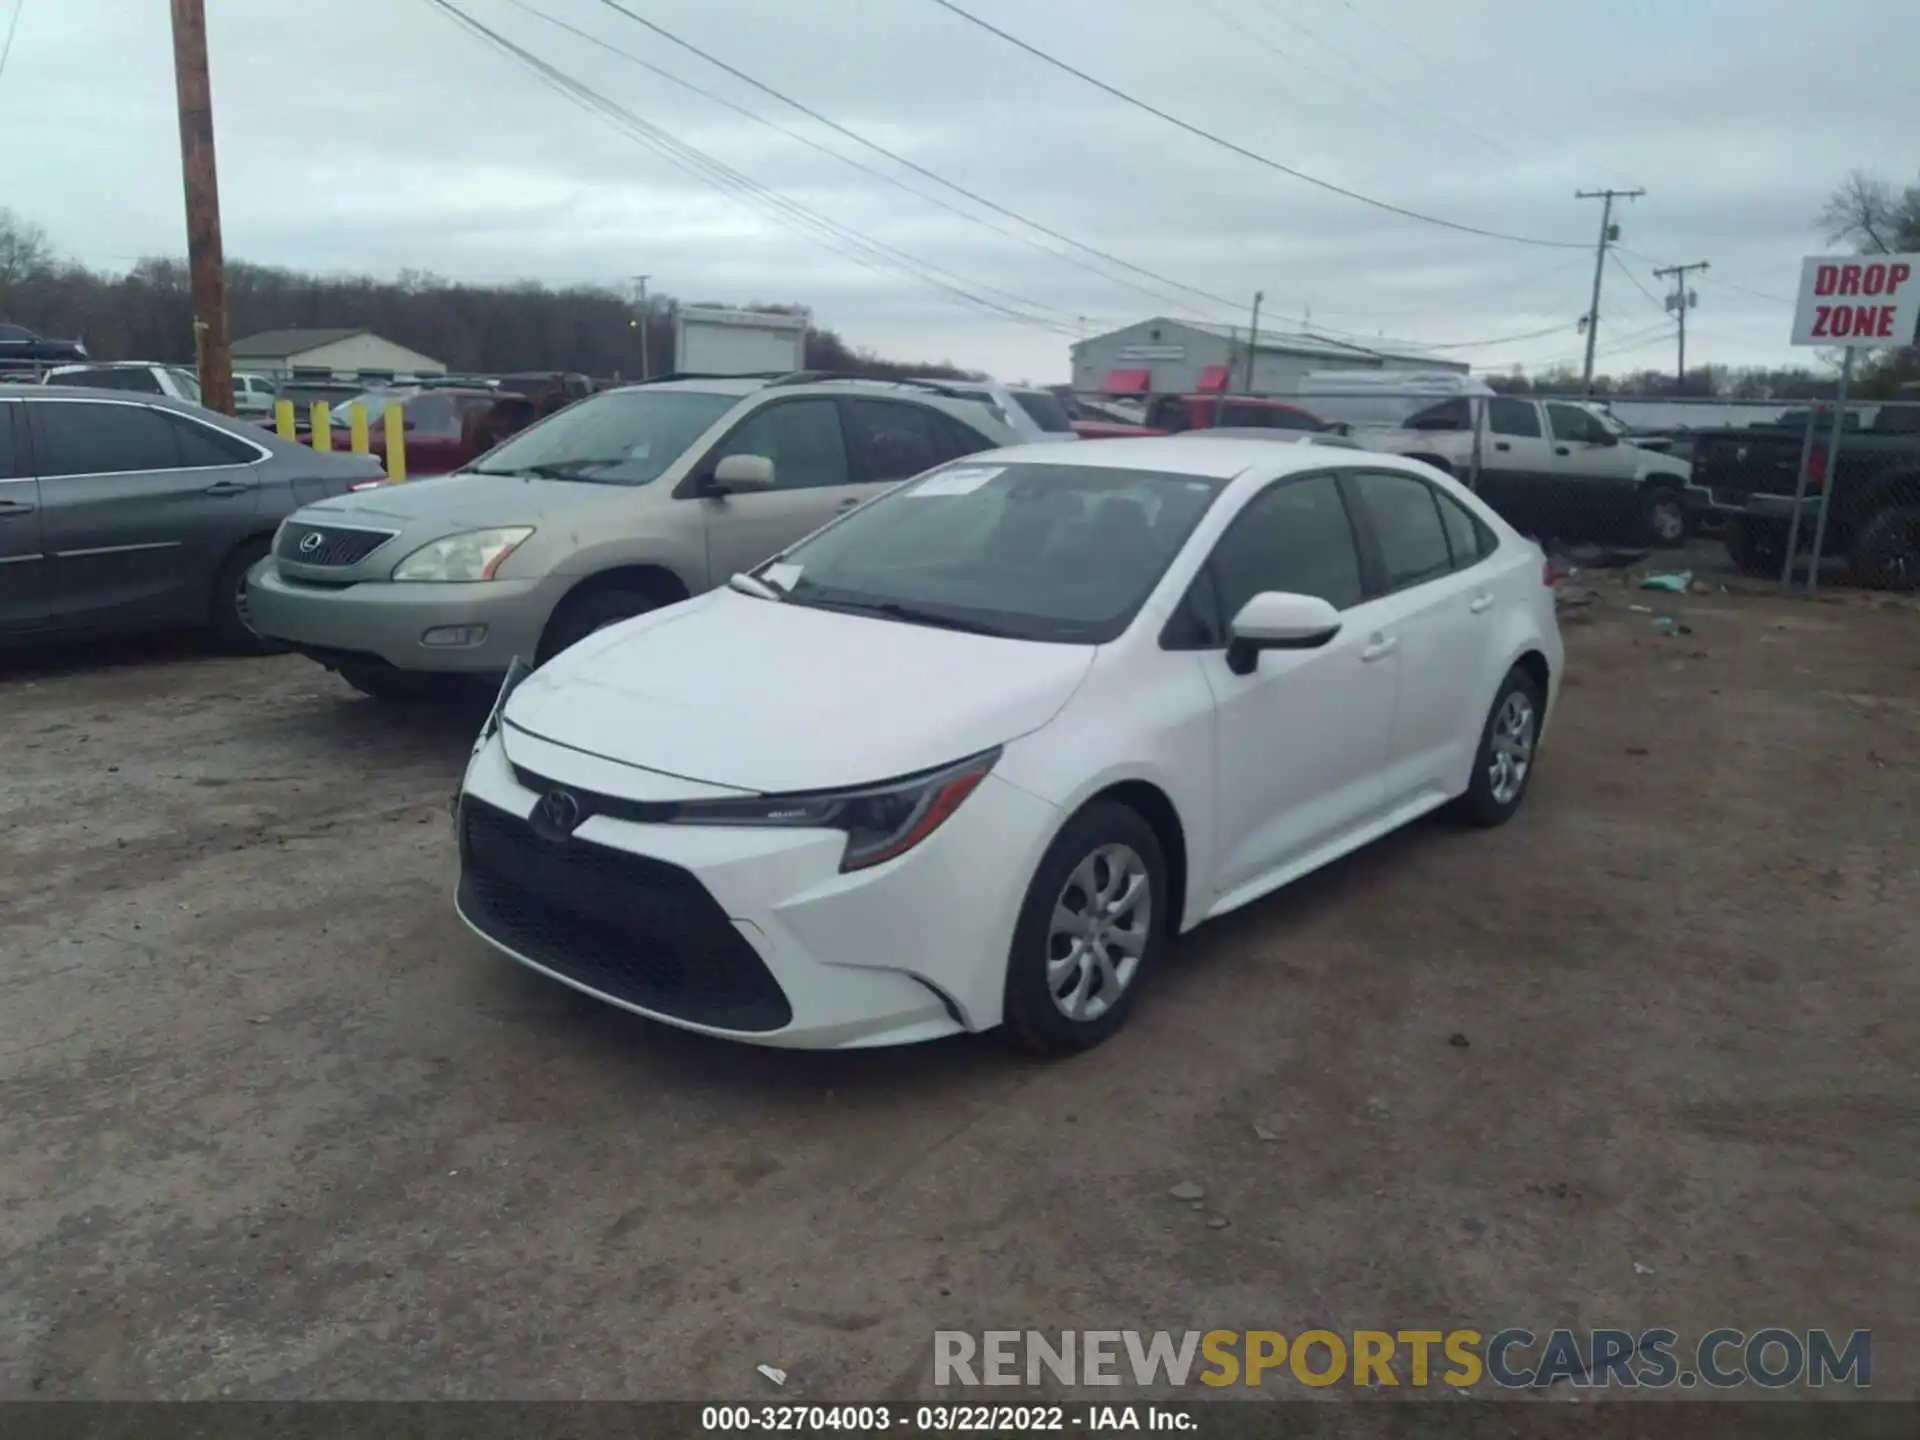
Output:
[[1720, 281], [13, 26], [1652, 299], [848, 160], [1241, 150], [842, 240], [1503, 340], [918, 169]]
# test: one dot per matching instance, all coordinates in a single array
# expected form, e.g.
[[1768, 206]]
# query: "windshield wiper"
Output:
[[555, 469], [753, 585], [910, 614]]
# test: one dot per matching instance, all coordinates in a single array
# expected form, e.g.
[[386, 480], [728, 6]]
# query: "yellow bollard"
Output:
[[395, 422], [357, 421], [322, 435], [283, 419]]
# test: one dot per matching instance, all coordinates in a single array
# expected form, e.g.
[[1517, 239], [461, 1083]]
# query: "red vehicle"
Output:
[[444, 425], [1177, 414]]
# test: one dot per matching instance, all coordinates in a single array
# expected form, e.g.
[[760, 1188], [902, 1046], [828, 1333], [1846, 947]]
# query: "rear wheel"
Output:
[[597, 609], [1755, 548], [1886, 556], [1088, 933], [227, 608], [1503, 765]]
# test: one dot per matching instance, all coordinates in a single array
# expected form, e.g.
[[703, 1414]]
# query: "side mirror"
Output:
[[743, 472], [1606, 437], [1277, 620]]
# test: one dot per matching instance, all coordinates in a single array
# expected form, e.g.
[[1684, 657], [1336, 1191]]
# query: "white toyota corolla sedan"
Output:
[[974, 753]]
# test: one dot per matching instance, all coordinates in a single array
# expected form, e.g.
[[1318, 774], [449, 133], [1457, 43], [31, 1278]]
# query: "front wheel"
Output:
[[1089, 931], [227, 608], [596, 610], [1887, 554], [1503, 765], [1663, 516]]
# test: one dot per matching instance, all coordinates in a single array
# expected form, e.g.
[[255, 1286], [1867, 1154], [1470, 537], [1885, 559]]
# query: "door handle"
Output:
[[1501, 445], [1380, 649], [848, 503], [227, 487], [15, 507], [1481, 604], [1561, 450]]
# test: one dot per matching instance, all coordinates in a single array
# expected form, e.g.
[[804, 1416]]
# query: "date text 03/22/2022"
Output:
[[944, 1419]]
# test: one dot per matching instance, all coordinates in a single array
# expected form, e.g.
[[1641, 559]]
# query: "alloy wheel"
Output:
[[1512, 750], [1098, 932], [1669, 520]]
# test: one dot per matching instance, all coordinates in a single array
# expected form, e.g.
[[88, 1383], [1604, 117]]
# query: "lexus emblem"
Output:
[[559, 811], [311, 542]]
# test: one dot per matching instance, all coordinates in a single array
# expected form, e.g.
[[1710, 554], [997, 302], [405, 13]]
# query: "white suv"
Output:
[[137, 376], [1030, 412]]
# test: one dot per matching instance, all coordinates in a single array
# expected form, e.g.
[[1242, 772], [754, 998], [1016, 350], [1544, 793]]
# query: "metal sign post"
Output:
[[1833, 471], [1800, 493]]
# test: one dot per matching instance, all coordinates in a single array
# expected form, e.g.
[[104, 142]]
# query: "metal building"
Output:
[[1187, 357], [352, 354]]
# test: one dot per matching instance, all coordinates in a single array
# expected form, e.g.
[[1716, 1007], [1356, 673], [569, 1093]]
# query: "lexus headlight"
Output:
[[880, 821], [476, 555]]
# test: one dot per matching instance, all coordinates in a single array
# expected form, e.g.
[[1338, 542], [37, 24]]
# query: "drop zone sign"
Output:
[[1858, 301]]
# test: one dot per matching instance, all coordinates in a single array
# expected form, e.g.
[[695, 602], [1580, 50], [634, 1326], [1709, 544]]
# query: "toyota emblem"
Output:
[[559, 811], [311, 542]]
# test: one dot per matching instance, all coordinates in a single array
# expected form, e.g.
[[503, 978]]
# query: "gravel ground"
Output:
[[275, 1126]]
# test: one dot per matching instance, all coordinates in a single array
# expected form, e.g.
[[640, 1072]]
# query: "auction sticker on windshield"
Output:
[[963, 481]]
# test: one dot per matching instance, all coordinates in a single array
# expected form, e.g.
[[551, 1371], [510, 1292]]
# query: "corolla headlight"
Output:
[[880, 821], [475, 555]]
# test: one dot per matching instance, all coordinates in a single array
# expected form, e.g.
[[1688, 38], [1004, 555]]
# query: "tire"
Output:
[[394, 686], [1489, 800], [1663, 517], [1886, 556], [226, 618], [1106, 844], [595, 610], [1755, 549]]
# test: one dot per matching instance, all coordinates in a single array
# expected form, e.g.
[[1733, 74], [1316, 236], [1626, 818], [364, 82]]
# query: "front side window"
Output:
[[1061, 553], [1572, 424], [621, 437], [433, 417], [1513, 417], [77, 438], [1043, 407], [1293, 537], [1406, 522], [801, 437], [1447, 415]]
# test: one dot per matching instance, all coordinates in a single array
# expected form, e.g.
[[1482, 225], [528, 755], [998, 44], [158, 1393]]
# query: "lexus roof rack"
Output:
[[815, 377]]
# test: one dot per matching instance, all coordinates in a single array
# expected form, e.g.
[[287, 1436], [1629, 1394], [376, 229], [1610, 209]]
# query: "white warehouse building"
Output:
[[1190, 357]]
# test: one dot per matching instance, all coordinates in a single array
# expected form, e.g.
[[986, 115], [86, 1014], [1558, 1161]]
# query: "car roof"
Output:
[[116, 365], [1219, 458]]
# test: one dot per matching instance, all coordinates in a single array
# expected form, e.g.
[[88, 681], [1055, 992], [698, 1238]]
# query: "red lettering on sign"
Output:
[[1885, 331], [1849, 279], [1874, 281], [1821, 314], [1826, 279], [1898, 275], [1866, 319], [1842, 321]]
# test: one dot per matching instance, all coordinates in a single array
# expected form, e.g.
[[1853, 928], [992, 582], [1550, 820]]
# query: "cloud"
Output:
[[380, 137]]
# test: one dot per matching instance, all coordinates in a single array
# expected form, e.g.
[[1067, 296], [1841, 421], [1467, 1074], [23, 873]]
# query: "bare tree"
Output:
[[1869, 214], [24, 255]]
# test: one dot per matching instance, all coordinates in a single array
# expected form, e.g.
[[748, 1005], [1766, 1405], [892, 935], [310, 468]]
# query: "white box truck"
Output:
[[710, 340]]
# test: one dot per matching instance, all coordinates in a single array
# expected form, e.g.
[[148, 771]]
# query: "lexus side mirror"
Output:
[[1277, 620], [743, 472]]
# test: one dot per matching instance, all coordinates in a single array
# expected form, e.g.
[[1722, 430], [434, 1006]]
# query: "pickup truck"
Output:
[[21, 349], [1873, 520], [1179, 414], [1550, 467]]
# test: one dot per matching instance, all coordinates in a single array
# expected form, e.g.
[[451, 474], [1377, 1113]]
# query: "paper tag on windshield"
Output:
[[957, 482], [782, 574]]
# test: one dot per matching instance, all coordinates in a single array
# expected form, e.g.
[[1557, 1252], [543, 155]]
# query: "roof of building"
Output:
[[1290, 343], [280, 344]]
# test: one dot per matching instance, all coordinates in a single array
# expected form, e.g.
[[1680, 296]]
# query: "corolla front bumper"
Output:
[[745, 932]]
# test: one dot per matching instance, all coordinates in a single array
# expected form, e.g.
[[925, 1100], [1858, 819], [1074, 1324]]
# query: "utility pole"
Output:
[[1609, 232], [194, 92], [646, 316], [1682, 300], [1253, 337]]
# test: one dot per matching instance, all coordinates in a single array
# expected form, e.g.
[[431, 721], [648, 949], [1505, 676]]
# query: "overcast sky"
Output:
[[372, 135]]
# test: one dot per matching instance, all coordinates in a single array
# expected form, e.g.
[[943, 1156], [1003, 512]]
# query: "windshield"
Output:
[[185, 379], [1046, 411], [376, 402], [623, 437], [1065, 553]]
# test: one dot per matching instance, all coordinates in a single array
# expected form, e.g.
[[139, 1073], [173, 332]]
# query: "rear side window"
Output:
[[10, 468], [433, 416], [1045, 410], [1447, 415], [203, 445], [111, 379], [1468, 537], [958, 438], [1406, 522], [77, 438], [1513, 417], [891, 439]]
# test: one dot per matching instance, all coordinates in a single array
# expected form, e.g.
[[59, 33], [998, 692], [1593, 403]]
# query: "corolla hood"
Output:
[[770, 697], [469, 499]]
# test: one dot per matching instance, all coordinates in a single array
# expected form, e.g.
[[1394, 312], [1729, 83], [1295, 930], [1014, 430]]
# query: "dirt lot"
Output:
[[274, 1125]]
